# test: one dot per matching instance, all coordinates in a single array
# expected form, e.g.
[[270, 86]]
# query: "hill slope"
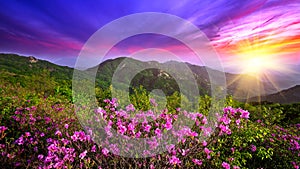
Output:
[[291, 95], [29, 65]]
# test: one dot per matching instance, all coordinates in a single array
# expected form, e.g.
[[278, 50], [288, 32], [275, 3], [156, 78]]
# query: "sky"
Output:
[[250, 36]]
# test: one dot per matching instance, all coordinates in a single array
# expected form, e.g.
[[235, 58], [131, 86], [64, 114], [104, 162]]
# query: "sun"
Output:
[[251, 63], [255, 57], [255, 54]]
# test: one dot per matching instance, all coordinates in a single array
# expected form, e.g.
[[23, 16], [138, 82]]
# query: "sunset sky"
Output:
[[249, 35]]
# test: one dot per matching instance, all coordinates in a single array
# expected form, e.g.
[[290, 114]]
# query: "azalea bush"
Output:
[[46, 134]]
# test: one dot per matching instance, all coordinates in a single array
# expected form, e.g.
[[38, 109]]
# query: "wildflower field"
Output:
[[40, 129], [202, 84]]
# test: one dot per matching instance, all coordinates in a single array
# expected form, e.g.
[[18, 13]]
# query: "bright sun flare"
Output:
[[256, 58], [258, 64]]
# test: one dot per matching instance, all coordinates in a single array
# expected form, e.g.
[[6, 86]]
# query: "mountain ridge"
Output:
[[287, 96], [240, 86]]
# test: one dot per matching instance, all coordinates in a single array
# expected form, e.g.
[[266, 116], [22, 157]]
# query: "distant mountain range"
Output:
[[291, 95], [241, 87], [286, 77]]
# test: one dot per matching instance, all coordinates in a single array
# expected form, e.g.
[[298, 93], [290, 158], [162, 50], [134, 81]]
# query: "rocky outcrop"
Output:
[[32, 59]]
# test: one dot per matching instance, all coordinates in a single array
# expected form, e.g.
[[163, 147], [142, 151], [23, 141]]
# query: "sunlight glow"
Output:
[[258, 64], [256, 57]]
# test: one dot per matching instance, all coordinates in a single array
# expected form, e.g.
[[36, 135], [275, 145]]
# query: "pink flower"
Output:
[[230, 110], [253, 148], [130, 108], [206, 131], [122, 129], [2, 146], [40, 157], [225, 129], [174, 160], [184, 152], [105, 151], [66, 126], [204, 143], [168, 125], [244, 114], [157, 132], [238, 121], [206, 150], [65, 141], [131, 127], [33, 108], [93, 149], [10, 156], [83, 154], [236, 167], [225, 120], [204, 120], [295, 165], [171, 148], [52, 148], [47, 120], [107, 130], [138, 134], [20, 141], [146, 153], [226, 165], [114, 149], [58, 164], [197, 162], [153, 103], [193, 133], [80, 135], [147, 128], [3, 128], [153, 143], [27, 134], [74, 137], [58, 133]]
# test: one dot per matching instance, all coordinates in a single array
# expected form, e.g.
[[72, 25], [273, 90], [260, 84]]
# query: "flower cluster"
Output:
[[53, 139]]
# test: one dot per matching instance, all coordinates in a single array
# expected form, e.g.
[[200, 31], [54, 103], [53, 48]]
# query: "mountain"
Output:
[[291, 95], [286, 77], [239, 85], [20, 65], [128, 71]]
